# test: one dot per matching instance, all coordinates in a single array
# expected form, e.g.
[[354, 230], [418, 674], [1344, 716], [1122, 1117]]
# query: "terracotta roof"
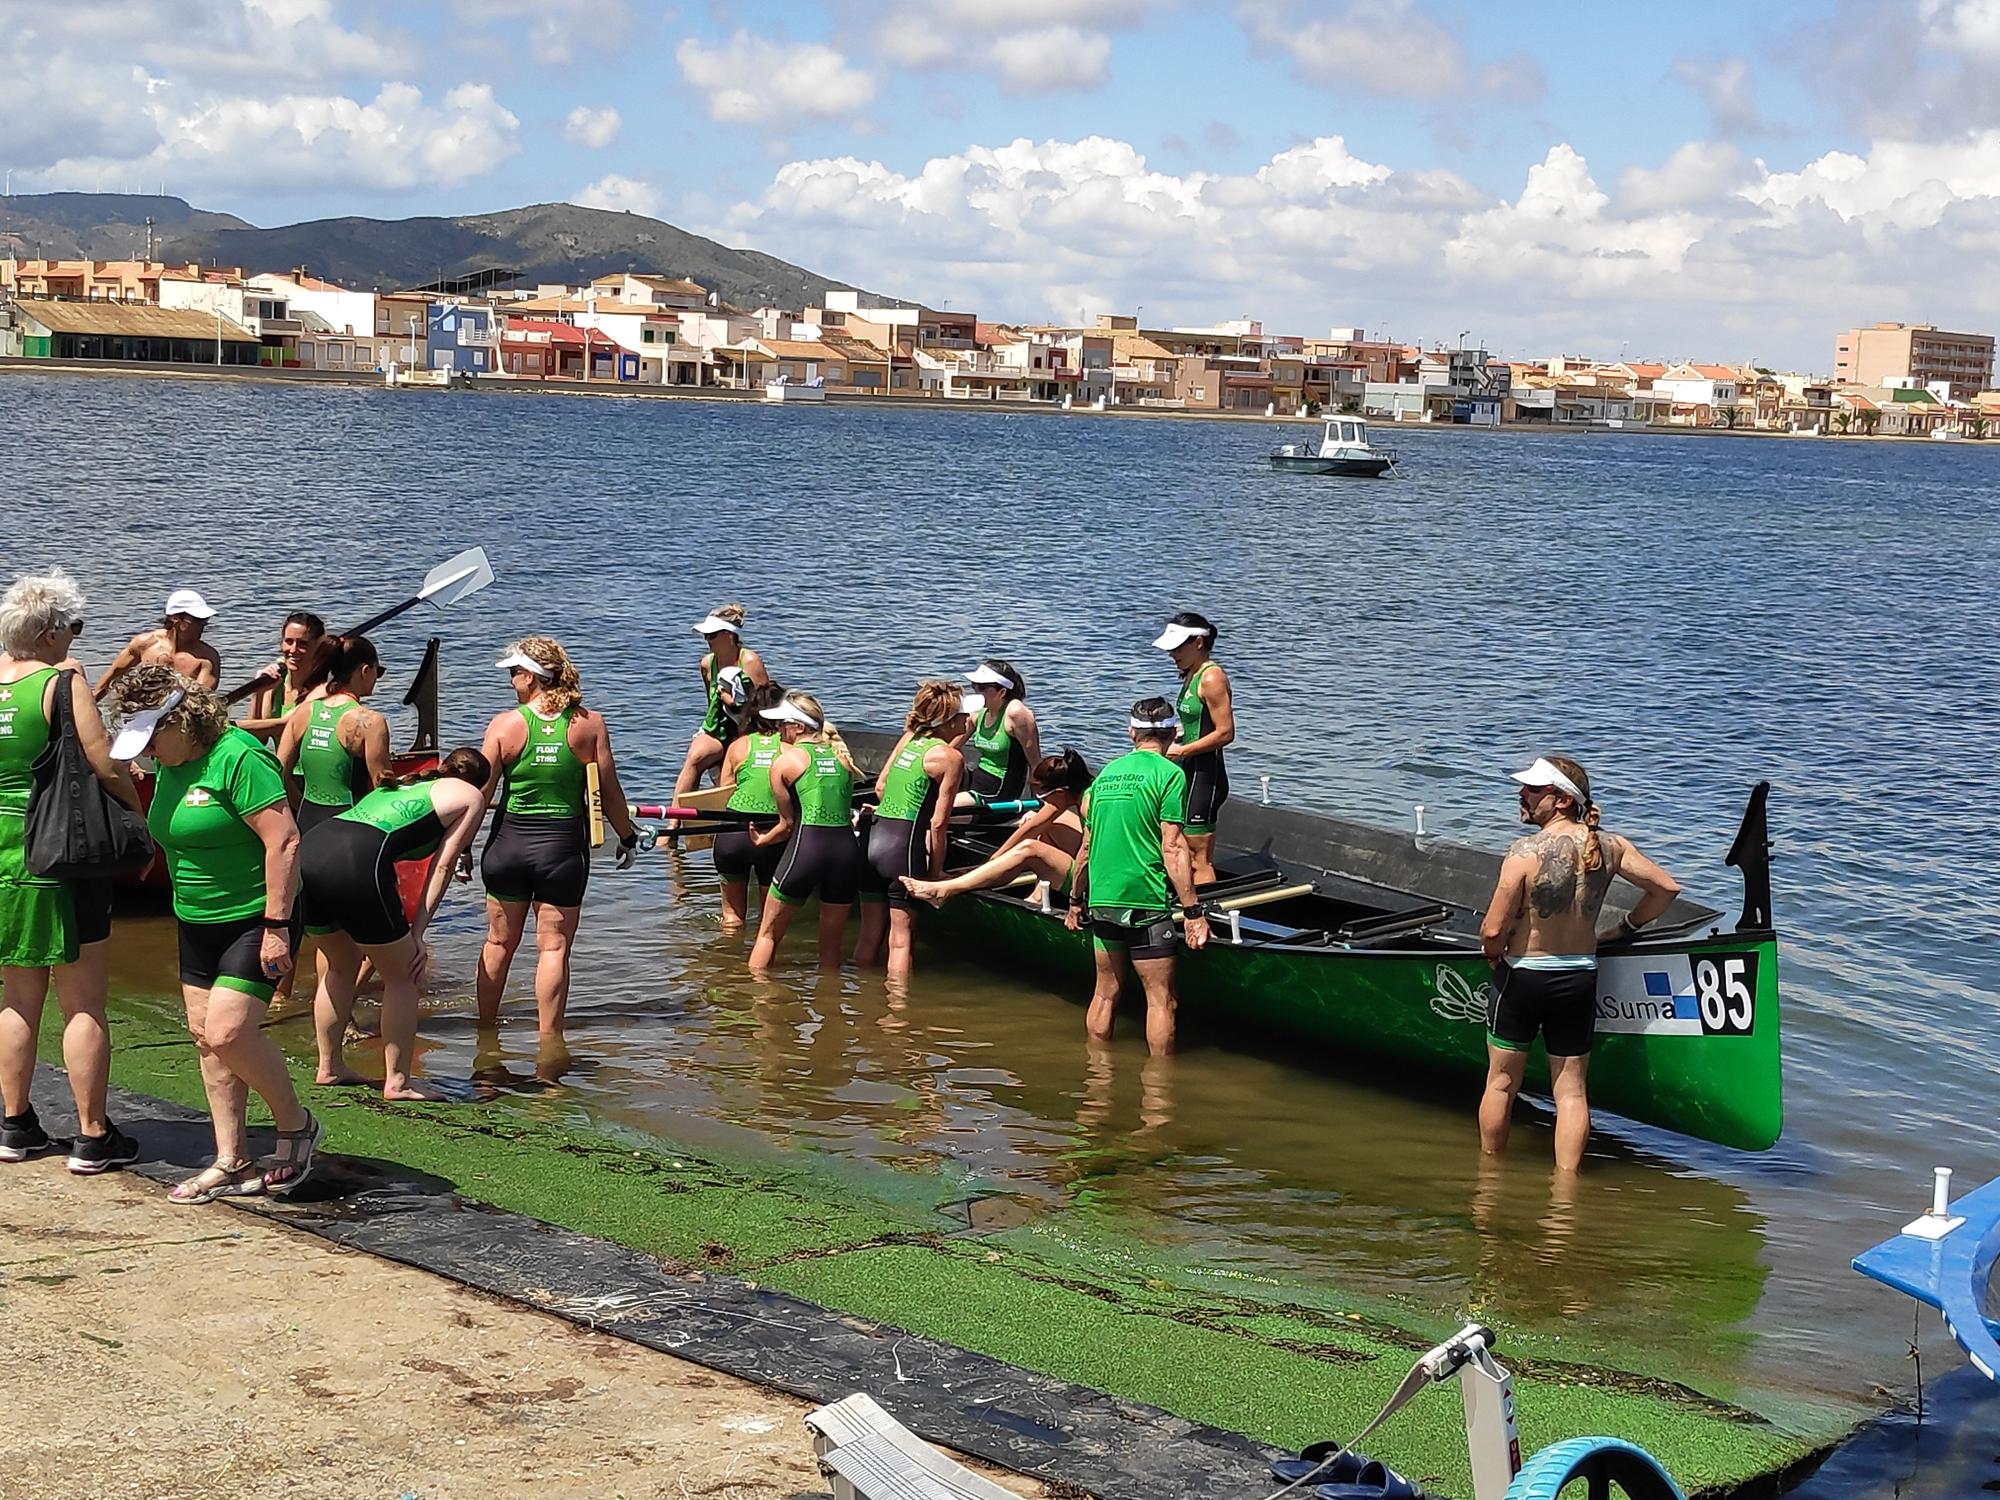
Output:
[[132, 319], [852, 348], [798, 349], [1716, 372]]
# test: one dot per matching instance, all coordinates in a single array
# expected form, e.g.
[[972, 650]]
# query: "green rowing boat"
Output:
[[1357, 941]]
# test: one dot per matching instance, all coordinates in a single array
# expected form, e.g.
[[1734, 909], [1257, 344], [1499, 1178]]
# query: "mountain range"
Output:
[[545, 242]]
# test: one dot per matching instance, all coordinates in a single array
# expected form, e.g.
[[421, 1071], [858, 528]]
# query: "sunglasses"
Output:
[[76, 627]]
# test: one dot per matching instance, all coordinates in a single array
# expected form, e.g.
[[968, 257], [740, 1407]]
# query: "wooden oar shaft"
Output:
[[594, 802]]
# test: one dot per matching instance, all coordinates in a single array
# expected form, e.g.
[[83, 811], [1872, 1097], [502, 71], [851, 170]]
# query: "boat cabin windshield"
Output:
[[1346, 434]]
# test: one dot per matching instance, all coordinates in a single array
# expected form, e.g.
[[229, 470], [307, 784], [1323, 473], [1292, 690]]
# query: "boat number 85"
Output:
[[1725, 986]]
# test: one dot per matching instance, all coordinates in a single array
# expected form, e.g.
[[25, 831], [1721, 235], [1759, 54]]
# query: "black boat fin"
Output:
[[423, 697], [1751, 854]]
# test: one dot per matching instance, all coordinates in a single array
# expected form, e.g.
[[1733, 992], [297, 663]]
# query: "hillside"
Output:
[[545, 242]]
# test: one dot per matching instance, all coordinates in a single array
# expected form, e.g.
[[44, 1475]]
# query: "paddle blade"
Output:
[[456, 577]]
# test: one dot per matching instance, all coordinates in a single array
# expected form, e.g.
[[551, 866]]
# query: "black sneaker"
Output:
[[22, 1136], [91, 1154]]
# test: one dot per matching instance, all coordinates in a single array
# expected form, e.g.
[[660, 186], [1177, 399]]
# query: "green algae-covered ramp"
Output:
[[718, 1241]]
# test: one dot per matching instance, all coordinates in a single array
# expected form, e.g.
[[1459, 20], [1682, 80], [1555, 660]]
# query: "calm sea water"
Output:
[[1684, 615]]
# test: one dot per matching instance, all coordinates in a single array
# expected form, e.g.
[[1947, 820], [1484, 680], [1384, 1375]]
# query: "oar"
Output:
[[446, 584], [594, 803]]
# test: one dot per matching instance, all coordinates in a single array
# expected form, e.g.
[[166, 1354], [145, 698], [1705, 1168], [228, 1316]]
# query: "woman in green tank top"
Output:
[[1207, 713], [746, 771], [907, 835], [46, 927], [538, 855], [347, 870], [1004, 740], [724, 665], [335, 750], [812, 783], [298, 674]]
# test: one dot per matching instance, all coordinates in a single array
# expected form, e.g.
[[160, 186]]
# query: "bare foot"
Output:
[[411, 1093], [339, 1078], [924, 890]]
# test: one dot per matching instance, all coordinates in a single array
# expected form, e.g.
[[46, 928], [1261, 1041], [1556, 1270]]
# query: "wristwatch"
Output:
[[1195, 912]]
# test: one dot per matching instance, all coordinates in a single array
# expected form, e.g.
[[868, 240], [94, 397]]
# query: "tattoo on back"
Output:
[[1554, 889]]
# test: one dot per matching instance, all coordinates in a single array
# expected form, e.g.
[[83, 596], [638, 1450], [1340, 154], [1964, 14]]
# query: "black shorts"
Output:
[[896, 847], [822, 860], [229, 955], [1207, 790], [1155, 939], [737, 859], [311, 814], [1558, 1005], [536, 859], [348, 883], [93, 909]]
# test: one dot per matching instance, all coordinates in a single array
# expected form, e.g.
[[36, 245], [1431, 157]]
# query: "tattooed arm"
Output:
[[1504, 910]]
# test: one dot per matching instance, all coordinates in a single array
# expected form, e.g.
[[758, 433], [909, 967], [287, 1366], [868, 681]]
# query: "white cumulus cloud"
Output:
[[754, 80], [622, 194], [590, 126], [1031, 46]]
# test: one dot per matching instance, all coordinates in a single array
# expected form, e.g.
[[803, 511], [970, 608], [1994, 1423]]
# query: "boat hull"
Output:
[[1348, 468], [1687, 1033]]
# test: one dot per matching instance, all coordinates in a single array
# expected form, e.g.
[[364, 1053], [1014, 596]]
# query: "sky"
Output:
[[1705, 180]]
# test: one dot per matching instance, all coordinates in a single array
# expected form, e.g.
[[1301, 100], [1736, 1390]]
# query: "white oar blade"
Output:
[[451, 580]]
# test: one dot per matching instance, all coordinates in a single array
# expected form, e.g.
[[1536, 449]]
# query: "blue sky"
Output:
[[1706, 180]]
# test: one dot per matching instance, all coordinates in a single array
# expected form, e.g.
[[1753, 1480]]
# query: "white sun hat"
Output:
[[137, 733], [1176, 636], [1544, 773], [788, 712], [189, 602], [715, 625], [985, 676], [526, 663]]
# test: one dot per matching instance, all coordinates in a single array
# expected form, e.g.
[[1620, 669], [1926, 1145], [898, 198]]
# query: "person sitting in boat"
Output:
[[1134, 858], [175, 642], [722, 632], [298, 674], [1540, 934], [1207, 724], [1042, 845], [1004, 740]]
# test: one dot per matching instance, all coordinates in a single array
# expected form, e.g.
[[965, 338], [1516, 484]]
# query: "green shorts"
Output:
[[37, 916]]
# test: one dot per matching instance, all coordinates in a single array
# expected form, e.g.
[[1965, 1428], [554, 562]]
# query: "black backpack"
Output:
[[75, 830]]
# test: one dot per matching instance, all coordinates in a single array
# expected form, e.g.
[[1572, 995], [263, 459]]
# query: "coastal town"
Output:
[[669, 335]]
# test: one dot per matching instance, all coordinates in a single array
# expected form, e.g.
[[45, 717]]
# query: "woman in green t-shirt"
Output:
[[231, 845], [48, 927]]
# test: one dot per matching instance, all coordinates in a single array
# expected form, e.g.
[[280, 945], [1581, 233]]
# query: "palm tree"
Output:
[[1842, 420], [1868, 420], [1975, 427]]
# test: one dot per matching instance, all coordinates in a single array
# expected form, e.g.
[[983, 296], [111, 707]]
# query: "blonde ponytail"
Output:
[[564, 689]]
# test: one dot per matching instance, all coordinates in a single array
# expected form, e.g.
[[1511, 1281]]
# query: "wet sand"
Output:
[[174, 1352]]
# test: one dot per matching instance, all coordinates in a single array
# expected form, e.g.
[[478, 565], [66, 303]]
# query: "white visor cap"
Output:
[[526, 663], [733, 680], [1176, 636], [971, 703], [788, 712], [985, 676], [188, 602], [131, 741], [1544, 773], [1159, 725], [715, 625]]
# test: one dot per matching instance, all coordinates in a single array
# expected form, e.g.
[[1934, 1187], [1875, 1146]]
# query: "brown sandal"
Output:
[[221, 1179], [295, 1157]]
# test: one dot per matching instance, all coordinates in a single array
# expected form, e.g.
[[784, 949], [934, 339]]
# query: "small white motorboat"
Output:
[[1343, 448]]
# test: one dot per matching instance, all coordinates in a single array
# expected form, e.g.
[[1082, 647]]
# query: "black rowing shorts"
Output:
[[896, 847], [311, 814], [348, 883], [536, 859], [1207, 790], [1155, 939], [821, 860], [737, 859], [1558, 1005], [93, 909], [229, 955]]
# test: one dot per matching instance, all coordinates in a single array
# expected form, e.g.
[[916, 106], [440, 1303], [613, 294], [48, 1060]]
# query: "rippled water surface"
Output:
[[1685, 615]]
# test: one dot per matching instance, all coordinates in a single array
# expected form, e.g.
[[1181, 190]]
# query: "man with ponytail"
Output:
[[1540, 934]]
